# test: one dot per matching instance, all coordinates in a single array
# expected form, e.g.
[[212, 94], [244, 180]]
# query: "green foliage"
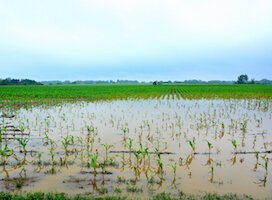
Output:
[[234, 143], [93, 162], [242, 79], [56, 93], [9, 81], [162, 196]]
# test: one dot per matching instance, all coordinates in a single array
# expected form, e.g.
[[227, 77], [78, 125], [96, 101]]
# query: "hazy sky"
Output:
[[135, 39]]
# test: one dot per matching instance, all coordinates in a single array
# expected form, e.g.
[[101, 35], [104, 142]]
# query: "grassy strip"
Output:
[[163, 196]]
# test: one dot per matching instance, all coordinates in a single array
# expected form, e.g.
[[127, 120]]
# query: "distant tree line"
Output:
[[243, 79], [9, 81]]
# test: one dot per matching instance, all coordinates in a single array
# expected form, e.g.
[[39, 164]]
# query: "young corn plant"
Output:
[[234, 144], [107, 148], [210, 146], [93, 162], [22, 144], [137, 155], [130, 142], [160, 166], [65, 142], [52, 151], [192, 144], [265, 165], [5, 153]]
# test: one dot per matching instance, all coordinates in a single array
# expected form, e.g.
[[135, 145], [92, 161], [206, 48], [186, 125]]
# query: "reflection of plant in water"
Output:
[[212, 174], [265, 165], [174, 168], [188, 161], [136, 168], [160, 166], [254, 141], [257, 162], [233, 160], [209, 161]]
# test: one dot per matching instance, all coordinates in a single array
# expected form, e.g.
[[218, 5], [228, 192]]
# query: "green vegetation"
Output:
[[36, 94], [163, 196], [9, 81]]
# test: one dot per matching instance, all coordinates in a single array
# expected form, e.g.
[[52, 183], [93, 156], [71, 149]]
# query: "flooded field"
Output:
[[139, 147]]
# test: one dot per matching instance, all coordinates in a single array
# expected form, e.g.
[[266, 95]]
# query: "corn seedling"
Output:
[[93, 162], [192, 144], [210, 146], [107, 148], [65, 142], [22, 144], [5, 153], [234, 144]]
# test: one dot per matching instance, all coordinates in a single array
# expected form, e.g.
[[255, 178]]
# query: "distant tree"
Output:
[[155, 83], [9, 81], [253, 81], [242, 79]]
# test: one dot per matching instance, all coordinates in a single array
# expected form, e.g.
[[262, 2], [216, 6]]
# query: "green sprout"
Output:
[[210, 146], [23, 142], [5, 153], [107, 148], [192, 144], [65, 142], [234, 144], [93, 162], [160, 166]]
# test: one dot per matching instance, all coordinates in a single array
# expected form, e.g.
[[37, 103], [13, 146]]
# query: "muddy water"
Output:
[[164, 126]]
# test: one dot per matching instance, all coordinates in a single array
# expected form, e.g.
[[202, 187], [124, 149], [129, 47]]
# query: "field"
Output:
[[107, 92], [136, 141]]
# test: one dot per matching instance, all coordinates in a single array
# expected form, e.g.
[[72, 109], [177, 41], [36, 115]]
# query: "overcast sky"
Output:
[[135, 39]]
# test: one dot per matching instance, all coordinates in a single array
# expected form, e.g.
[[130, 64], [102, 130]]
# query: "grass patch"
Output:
[[163, 196]]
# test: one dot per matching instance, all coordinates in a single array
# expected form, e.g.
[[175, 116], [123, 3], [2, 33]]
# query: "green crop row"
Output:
[[107, 92]]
